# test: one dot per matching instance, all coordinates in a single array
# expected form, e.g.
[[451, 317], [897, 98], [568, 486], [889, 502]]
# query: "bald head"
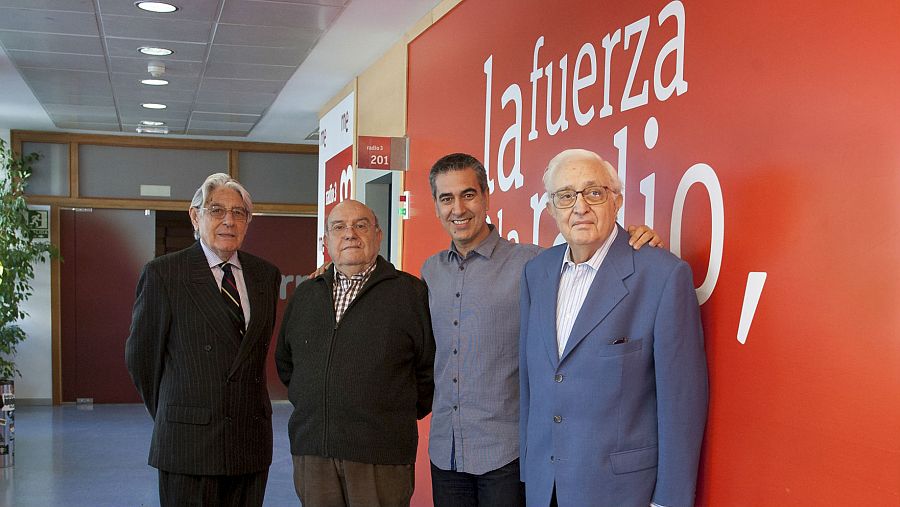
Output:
[[353, 237]]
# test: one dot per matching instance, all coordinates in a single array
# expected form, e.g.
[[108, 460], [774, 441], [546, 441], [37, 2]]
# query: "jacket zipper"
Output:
[[325, 391], [363, 290]]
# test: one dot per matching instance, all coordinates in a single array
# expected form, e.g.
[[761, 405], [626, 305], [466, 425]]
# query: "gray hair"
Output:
[[457, 162], [220, 180], [557, 161]]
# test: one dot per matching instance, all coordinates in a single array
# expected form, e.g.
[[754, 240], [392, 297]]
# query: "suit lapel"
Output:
[[605, 292], [259, 309], [546, 301], [206, 295]]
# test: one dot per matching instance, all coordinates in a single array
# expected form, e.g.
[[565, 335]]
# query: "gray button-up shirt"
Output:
[[475, 316]]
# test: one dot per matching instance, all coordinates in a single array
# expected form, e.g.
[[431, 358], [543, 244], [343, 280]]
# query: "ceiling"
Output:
[[255, 70]]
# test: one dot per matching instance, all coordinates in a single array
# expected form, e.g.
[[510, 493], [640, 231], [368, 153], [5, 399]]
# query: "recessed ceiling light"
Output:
[[155, 51], [153, 105], [152, 130], [151, 123], [154, 82], [156, 6]]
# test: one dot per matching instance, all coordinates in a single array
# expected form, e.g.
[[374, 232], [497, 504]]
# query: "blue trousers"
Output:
[[497, 488]]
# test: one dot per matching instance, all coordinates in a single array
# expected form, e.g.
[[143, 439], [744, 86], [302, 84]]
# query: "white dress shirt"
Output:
[[574, 282]]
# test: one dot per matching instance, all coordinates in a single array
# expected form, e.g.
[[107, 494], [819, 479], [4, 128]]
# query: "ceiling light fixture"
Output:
[[154, 82], [160, 7], [153, 105], [154, 51], [152, 130], [151, 123]]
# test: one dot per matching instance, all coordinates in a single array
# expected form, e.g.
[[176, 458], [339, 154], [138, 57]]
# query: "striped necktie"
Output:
[[232, 298]]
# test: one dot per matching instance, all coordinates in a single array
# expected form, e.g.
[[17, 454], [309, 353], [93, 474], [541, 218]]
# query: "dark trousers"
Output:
[[180, 490], [331, 482], [497, 488]]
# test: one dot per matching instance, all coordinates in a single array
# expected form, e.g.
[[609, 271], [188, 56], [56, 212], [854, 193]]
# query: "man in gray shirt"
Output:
[[473, 291]]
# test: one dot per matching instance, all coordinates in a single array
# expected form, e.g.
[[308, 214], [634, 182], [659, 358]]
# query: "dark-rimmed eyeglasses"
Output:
[[218, 212], [592, 195]]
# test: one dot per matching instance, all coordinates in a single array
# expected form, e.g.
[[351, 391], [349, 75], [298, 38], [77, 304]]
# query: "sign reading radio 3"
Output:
[[668, 82]]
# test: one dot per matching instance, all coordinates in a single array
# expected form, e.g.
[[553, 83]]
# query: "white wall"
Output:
[[35, 355]]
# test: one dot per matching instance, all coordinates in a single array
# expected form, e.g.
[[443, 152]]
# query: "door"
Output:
[[103, 253]]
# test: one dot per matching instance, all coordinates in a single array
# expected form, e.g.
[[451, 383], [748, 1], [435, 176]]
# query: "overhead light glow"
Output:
[[156, 7], [152, 130], [155, 51], [151, 123], [153, 105], [154, 82]]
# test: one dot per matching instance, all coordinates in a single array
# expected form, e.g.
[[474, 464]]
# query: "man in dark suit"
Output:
[[200, 332], [613, 374]]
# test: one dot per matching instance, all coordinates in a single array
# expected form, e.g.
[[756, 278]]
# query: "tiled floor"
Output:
[[77, 456]]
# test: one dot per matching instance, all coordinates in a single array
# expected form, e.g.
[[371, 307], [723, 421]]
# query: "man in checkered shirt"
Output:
[[356, 352]]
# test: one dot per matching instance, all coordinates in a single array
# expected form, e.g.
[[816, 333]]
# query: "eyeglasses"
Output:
[[591, 195], [218, 212], [359, 227]]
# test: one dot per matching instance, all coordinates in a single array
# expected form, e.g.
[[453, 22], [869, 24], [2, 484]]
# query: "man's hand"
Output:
[[641, 235], [324, 267]]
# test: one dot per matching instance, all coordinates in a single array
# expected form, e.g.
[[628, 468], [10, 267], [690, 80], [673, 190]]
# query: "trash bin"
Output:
[[7, 423]]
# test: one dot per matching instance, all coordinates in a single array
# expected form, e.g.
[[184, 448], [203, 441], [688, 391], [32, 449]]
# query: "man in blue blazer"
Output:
[[612, 366]]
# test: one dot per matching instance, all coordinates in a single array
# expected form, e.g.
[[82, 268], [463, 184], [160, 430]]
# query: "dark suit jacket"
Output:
[[204, 386], [618, 420]]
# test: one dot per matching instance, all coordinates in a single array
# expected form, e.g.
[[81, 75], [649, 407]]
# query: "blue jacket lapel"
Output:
[[547, 302], [606, 291]]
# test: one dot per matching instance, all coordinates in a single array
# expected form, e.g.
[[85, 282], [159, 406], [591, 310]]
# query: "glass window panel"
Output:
[[50, 173], [285, 178]]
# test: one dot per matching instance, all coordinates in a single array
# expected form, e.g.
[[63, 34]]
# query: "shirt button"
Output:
[[207, 348], [454, 381], [551, 459], [557, 419], [461, 267], [558, 377], [455, 407], [455, 322], [457, 294], [454, 352], [227, 419]]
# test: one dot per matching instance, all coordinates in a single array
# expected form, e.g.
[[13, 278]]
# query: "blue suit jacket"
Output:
[[632, 414]]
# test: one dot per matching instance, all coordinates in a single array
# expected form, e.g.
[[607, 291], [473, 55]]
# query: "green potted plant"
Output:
[[19, 251]]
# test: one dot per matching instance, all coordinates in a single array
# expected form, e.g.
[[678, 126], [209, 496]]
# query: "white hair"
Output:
[[220, 180], [565, 155]]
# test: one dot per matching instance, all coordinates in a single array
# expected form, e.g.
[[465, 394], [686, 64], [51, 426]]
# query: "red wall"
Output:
[[288, 243], [793, 107]]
